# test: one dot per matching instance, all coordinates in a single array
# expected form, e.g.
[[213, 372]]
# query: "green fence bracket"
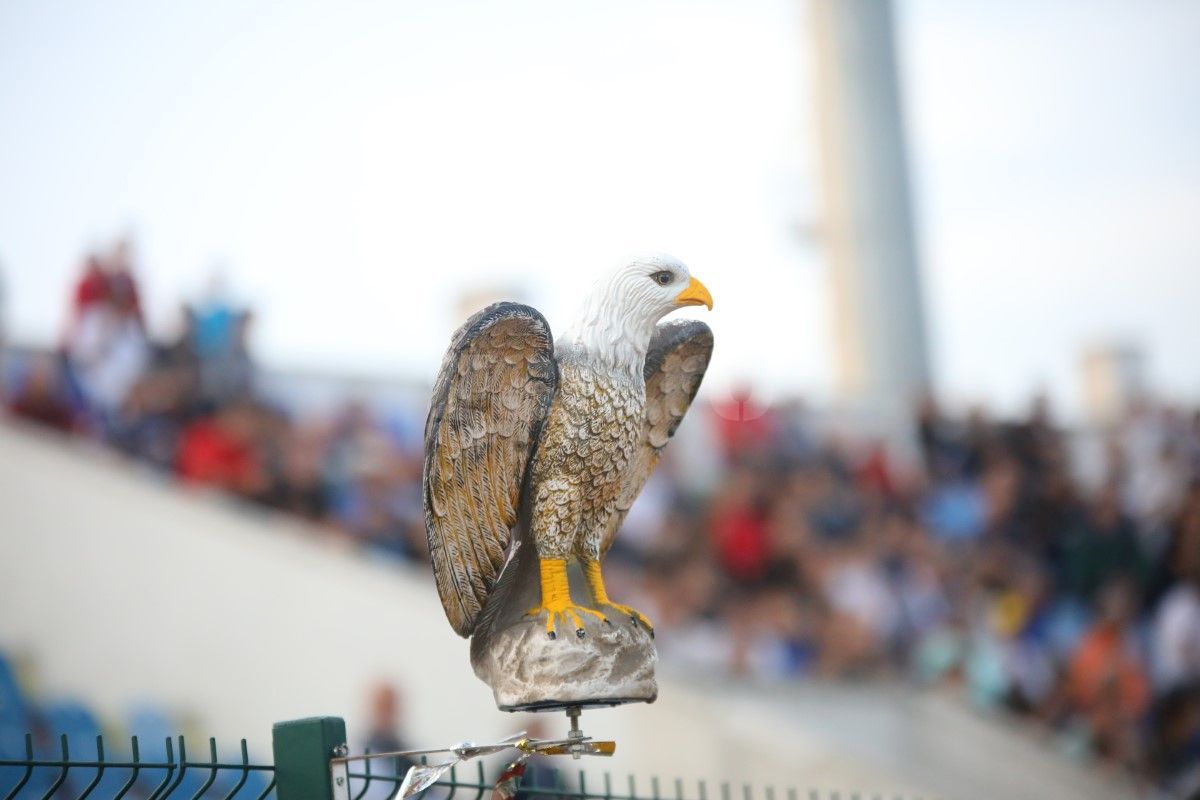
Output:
[[303, 748]]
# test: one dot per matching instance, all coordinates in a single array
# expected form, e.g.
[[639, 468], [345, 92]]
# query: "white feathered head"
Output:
[[624, 306]]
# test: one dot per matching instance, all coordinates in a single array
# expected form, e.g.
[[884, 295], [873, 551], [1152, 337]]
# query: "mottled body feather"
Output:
[[587, 443]]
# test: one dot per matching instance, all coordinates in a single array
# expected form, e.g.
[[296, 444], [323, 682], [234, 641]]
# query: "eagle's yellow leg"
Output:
[[595, 581], [556, 598]]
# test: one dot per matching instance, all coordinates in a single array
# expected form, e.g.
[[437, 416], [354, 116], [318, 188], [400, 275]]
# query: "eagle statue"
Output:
[[537, 447]]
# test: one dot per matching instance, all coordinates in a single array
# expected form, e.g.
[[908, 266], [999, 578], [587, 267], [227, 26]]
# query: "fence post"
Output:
[[302, 750]]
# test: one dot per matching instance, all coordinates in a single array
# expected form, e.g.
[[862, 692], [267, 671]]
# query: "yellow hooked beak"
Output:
[[696, 294]]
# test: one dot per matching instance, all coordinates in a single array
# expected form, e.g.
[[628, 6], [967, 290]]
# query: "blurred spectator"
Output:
[[219, 337], [1108, 684], [220, 451], [1177, 635], [297, 482], [956, 510], [41, 398], [739, 530], [120, 277], [92, 288], [862, 612], [1174, 741], [151, 418], [107, 346], [384, 735], [1102, 547]]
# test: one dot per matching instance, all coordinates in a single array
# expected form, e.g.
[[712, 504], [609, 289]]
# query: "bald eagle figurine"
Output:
[[535, 451]]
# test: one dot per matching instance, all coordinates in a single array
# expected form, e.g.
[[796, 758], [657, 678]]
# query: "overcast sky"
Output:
[[351, 168]]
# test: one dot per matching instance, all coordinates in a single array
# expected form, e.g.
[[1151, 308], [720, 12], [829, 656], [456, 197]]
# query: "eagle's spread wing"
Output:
[[491, 396], [675, 364]]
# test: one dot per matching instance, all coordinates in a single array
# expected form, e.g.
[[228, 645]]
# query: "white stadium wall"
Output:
[[123, 588]]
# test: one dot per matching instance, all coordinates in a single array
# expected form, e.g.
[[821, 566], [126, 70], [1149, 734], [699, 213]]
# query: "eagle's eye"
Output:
[[662, 278]]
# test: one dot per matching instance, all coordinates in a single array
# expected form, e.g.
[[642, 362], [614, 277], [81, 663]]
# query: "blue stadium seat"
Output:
[[13, 712], [15, 722], [153, 727], [255, 782], [77, 722]]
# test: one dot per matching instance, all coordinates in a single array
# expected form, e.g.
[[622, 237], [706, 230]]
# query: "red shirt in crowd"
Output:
[[209, 453], [92, 287], [1103, 671], [741, 540]]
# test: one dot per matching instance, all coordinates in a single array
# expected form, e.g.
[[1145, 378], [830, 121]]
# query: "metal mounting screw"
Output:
[[575, 733]]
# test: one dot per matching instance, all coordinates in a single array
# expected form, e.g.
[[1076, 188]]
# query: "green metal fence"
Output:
[[103, 777], [309, 765]]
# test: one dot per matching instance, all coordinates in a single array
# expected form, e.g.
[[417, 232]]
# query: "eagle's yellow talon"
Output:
[[564, 615], [556, 600], [591, 571], [634, 614]]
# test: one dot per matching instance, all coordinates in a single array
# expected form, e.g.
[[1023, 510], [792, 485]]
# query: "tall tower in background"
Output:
[[881, 359], [1114, 379]]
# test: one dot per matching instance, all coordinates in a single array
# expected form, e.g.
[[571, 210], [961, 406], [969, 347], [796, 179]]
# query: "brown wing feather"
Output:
[[491, 396], [675, 364]]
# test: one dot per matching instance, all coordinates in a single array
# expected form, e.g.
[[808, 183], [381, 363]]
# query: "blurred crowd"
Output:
[[1058, 582], [995, 567]]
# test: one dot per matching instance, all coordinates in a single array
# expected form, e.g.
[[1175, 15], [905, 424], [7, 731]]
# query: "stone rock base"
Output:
[[529, 671]]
